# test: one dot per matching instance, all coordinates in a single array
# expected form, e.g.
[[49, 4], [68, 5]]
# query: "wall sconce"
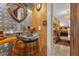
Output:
[[39, 28], [38, 6]]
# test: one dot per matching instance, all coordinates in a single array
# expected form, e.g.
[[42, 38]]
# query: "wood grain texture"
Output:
[[37, 20], [74, 38]]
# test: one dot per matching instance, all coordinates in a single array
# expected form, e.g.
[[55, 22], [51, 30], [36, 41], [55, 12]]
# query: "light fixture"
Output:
[[39, 28], [61, 24], [38, 6], [67, 16]]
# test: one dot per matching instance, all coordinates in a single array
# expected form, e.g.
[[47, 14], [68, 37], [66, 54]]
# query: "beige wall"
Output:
[[37, 20]]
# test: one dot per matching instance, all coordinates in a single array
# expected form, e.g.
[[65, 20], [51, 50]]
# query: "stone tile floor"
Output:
[[61, 50]]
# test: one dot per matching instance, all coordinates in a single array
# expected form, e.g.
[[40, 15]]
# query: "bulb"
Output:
[[39, 28], [61, 24]]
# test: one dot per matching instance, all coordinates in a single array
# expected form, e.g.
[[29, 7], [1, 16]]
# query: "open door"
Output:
[[74, 39]]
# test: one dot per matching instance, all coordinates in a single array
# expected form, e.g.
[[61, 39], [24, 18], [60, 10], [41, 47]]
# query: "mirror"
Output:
[[17, 11]]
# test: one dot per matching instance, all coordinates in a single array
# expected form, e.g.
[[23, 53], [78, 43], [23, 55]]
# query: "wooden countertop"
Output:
[[8, 40]]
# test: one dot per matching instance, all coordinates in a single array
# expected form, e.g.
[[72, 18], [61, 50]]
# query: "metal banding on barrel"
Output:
[[26, 48]]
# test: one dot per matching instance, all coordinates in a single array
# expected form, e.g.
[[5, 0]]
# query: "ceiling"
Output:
[[62, 11], [61, 8]]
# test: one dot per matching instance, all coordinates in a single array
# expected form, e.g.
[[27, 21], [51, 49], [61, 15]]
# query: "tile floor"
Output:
[[61, 50]]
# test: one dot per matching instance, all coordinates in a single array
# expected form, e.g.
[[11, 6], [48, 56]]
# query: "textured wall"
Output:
[[37, 20], [7, 19]]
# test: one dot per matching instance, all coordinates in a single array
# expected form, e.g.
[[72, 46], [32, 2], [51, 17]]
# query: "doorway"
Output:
[[61, 29]]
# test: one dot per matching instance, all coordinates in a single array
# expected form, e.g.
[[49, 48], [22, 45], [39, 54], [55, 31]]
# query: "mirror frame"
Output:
[[13, 12]]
